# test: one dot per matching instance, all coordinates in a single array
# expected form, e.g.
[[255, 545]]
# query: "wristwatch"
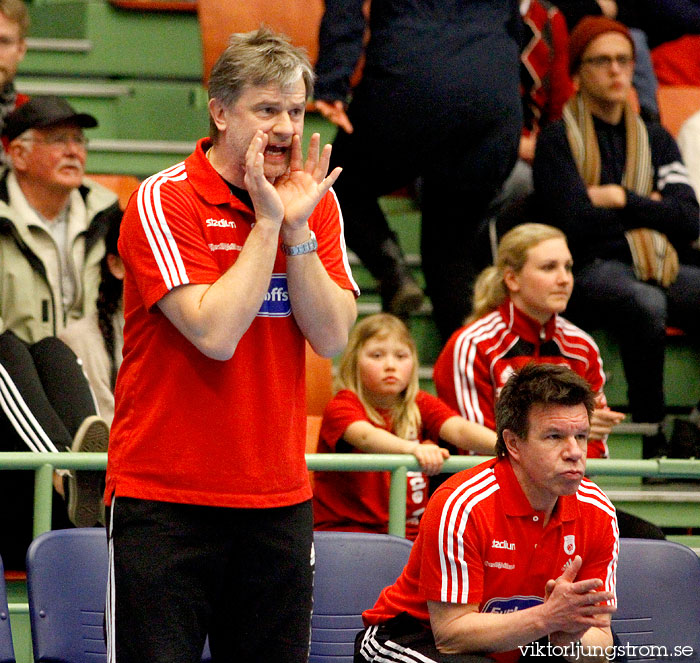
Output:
[[309, 246]]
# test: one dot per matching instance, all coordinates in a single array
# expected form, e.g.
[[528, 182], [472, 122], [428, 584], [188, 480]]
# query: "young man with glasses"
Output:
[[617, 186], [14, 25], [52, 228]]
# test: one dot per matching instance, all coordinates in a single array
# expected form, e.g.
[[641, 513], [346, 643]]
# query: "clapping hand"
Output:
[[301, 188], [575, 606], [291, 198]]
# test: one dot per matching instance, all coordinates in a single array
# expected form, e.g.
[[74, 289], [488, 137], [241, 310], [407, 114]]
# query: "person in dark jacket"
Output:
[[618, 187], [439, 99]]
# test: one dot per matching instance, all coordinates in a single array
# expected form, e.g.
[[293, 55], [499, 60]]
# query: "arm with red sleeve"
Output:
[[160, 240], [362, 497], [462, 378], [565, 201], [441, 421], [577, 605]]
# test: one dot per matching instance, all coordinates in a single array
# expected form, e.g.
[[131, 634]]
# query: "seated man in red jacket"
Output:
[[516, 557]]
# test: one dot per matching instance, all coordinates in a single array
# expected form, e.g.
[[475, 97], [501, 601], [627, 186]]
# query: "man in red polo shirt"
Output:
[[515, 558], [233, 259]]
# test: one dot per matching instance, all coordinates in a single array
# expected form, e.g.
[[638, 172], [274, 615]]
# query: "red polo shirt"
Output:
[[188, 428], [481, 542]]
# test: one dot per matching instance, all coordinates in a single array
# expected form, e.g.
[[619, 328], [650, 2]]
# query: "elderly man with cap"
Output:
[[52, 227], [617, 186]]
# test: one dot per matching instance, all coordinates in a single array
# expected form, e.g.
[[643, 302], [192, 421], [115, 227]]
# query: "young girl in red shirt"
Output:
[[379, 408]]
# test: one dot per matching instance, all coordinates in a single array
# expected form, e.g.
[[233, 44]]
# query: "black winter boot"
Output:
[[400, 293]]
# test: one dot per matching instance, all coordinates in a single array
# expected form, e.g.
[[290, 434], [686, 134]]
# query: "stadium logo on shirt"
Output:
[[569, 544], [503, 606], [220, 223], [276, 303], [502, 544]]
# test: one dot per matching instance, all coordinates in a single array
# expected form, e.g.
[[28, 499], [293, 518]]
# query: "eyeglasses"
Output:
[[59, 140], [605, 61]]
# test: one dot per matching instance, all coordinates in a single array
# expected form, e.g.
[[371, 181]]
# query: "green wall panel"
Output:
[[132, 109], [121, 43]]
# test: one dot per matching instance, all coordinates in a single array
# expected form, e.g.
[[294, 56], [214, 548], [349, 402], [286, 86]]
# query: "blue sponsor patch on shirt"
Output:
[[276, 303], [511, 604]]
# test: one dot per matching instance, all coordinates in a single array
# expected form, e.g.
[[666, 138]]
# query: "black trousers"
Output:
[[404, 638], [608, 294], [462, 147], [44, 397], [180, 572]]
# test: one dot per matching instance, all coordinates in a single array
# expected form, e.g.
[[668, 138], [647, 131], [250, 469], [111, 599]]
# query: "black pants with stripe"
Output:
[[44, 397], [180, 572], [405, 640]]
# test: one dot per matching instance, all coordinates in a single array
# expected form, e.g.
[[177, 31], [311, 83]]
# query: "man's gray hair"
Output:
[[254, 59]]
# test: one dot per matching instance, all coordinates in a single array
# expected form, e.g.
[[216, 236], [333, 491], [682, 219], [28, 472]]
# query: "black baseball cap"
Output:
[[43, 112]]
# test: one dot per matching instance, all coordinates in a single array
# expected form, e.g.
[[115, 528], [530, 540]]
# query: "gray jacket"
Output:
[[30, 305]]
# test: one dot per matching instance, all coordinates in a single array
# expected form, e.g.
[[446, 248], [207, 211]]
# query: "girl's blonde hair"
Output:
[[405, 415], [490, 289]]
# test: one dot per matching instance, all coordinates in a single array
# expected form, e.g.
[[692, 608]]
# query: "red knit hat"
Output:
[[586, 30]]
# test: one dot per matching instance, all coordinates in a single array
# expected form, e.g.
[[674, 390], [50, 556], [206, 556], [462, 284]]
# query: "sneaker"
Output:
[[85, 487]]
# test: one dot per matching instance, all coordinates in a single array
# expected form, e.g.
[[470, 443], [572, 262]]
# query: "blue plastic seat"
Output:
[[7, 652], [658, 596], [67, 588], [352, 568]]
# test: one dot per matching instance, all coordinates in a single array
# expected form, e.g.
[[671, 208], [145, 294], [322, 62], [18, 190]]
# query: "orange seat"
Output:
[[676, 104], [313, 429], [156, 5], [298, 19], [319, 382], [122, 185]]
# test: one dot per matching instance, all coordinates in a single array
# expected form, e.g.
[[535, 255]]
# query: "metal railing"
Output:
[[44, 464]]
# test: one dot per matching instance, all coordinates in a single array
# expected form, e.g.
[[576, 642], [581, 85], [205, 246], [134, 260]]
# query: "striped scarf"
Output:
[[653, 256]]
